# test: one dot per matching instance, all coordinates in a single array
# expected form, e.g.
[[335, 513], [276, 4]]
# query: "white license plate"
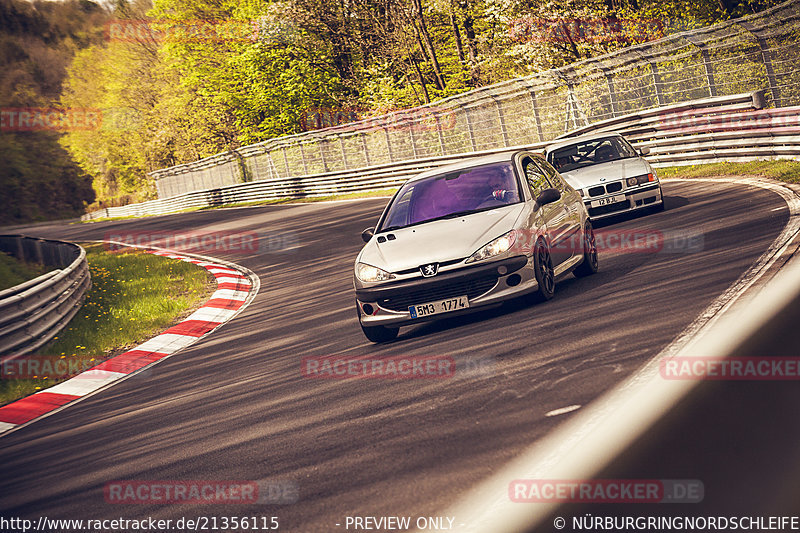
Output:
[[609, 200], [441, 306]]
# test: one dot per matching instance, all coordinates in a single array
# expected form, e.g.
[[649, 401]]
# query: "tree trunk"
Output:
[[472, 43], [421, 79], [422, 28], [457, 36]]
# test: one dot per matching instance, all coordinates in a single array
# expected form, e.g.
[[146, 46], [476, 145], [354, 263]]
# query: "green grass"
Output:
[[110, 219], [134, 296], [782, 170], [13, 271]]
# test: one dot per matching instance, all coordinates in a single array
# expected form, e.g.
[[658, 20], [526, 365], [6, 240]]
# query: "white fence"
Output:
[[706, 130]]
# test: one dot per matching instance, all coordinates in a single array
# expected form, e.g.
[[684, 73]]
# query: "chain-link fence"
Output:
[[758, 52]]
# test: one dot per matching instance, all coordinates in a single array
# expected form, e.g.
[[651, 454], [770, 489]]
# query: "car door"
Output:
[[573, 204], [552, 216]]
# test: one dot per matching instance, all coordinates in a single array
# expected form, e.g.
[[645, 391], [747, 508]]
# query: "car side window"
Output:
[[553, 176], [399, 215], [536, 178]]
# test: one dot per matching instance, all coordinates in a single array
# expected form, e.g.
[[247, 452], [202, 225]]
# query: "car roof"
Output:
[[582, 138], [469, 163]]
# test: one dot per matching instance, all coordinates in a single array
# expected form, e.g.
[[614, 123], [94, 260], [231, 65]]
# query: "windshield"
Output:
[[588, 153], [452, 194]]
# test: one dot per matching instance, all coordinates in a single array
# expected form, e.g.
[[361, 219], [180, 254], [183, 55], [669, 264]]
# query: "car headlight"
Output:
[[639, 180], [496, 247], [370, 273]]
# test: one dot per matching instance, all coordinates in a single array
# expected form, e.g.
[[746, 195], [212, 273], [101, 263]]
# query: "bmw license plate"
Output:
[[609, 200], [441, 306]]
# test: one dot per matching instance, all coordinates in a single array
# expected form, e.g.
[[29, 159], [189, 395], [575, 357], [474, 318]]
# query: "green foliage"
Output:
[[38, 178], [186, 79]]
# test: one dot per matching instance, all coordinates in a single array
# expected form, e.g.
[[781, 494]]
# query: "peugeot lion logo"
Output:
[[429, 270]]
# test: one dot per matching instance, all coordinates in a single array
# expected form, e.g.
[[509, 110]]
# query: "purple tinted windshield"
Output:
[[463, 191]]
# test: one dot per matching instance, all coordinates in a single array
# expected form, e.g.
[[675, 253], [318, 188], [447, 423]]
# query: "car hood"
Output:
[[612, 171], [440, 240]]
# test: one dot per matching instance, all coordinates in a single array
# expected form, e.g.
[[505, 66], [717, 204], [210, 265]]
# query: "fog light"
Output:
[[368, 309]]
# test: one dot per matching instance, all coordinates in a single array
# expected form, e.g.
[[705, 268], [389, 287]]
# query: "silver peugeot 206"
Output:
[[470, 235], [609, 173]]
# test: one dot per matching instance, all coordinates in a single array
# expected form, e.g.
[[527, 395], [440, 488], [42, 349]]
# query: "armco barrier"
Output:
[[33, 312], [709, 130], [721, 128], [365, 179]]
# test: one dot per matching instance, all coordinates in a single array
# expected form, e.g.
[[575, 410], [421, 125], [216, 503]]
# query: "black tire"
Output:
[[590, 265], [543, 269], [378, 334], [658, 208]]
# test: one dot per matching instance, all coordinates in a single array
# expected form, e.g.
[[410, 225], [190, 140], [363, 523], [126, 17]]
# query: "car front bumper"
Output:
[[639, 198], [483, 283]]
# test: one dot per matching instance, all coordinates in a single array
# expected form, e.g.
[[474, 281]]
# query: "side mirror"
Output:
[[548, 196], [644, 150], [367, 234]]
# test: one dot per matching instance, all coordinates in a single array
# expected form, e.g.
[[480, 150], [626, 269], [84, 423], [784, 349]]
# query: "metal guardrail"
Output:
[[710, 130], [33, 312], [757, 52], [675, 134], [366, 179]]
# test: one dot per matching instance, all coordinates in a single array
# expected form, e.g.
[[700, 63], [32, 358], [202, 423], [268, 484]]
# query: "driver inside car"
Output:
[[496, 188], [604, 153]]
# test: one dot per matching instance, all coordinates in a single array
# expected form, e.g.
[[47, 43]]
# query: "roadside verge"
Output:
[[236, 288]]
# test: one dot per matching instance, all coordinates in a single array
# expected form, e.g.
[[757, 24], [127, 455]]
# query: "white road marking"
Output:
[[241, 281], [86, 382], [223, 271], [212, 314], [230, 294], [166, 343], [563, 410]]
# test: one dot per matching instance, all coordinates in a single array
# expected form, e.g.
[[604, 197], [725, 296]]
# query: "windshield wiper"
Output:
[[456, 214]]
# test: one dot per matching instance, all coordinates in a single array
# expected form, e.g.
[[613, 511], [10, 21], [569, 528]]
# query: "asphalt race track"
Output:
[[235, 406]]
